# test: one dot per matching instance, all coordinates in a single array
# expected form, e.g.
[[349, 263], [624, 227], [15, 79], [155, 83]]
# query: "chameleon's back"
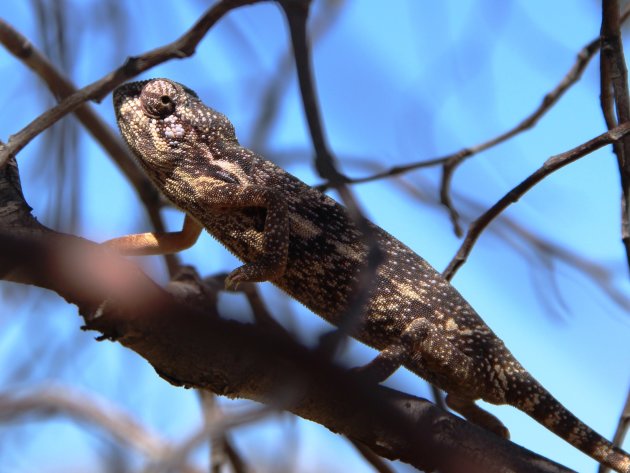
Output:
[[327, 256]]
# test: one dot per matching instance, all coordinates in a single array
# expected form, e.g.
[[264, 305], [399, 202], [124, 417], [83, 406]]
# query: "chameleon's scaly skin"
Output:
[[305, 243]]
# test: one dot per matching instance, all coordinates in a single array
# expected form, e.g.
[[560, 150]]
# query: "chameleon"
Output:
[[306, 244]]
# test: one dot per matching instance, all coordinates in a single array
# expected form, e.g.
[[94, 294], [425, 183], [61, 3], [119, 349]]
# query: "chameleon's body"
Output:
[[305, 243]]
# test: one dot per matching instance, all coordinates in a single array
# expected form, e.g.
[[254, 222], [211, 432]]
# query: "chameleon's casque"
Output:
[[304, 242]]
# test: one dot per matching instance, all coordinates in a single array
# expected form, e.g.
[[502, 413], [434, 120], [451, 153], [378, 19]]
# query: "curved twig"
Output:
[[551, 165]]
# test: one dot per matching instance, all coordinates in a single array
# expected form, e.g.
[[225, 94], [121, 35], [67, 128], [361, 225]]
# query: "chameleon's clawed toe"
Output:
[[233, 280]]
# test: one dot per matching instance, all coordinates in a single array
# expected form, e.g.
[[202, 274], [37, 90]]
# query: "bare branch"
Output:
[[621, 431], [450, 162], [424, 190], [551, 165], [196, 349], [86, 407]]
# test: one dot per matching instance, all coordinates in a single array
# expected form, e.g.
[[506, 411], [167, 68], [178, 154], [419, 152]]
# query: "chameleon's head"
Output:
[[164, 122]]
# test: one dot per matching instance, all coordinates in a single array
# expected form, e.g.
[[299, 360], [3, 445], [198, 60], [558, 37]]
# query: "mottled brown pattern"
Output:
[[304, 242]]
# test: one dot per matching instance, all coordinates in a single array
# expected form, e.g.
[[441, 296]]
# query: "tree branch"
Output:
[[198, 349], [551, 165], [50, 400], [451, 162]]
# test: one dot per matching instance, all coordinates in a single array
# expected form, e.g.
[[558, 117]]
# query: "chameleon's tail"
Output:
[[543, 407]]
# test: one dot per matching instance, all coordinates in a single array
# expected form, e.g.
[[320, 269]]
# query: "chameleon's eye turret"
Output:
[[158, 98]]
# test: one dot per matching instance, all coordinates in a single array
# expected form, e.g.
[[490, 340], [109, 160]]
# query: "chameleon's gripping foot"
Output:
[[477, 415], [252, 272]]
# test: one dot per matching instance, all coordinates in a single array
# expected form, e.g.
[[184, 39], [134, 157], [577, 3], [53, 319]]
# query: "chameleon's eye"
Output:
[[157, 98]]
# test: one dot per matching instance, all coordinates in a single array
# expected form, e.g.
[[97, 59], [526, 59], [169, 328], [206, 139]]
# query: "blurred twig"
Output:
[[222, 451], [175, 458], [86, 407], [372, 458]]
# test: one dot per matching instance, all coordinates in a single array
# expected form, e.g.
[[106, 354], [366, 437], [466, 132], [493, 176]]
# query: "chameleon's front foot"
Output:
[[253, 272]]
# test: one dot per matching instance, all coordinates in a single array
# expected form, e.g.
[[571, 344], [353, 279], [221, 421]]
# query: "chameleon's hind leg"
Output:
[[477, 415], [422, 340]]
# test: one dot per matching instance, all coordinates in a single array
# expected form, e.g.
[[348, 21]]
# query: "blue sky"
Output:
[[398, 82]]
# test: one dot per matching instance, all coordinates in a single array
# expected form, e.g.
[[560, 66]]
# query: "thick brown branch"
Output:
[[180, 333], [551, 165]]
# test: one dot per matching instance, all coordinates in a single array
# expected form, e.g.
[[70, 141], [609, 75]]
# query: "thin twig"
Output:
[[551, 165], [451, 161], [424, 190], [277, 86], [296, 12], [50, 400], [182, 47], [622, 430]]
